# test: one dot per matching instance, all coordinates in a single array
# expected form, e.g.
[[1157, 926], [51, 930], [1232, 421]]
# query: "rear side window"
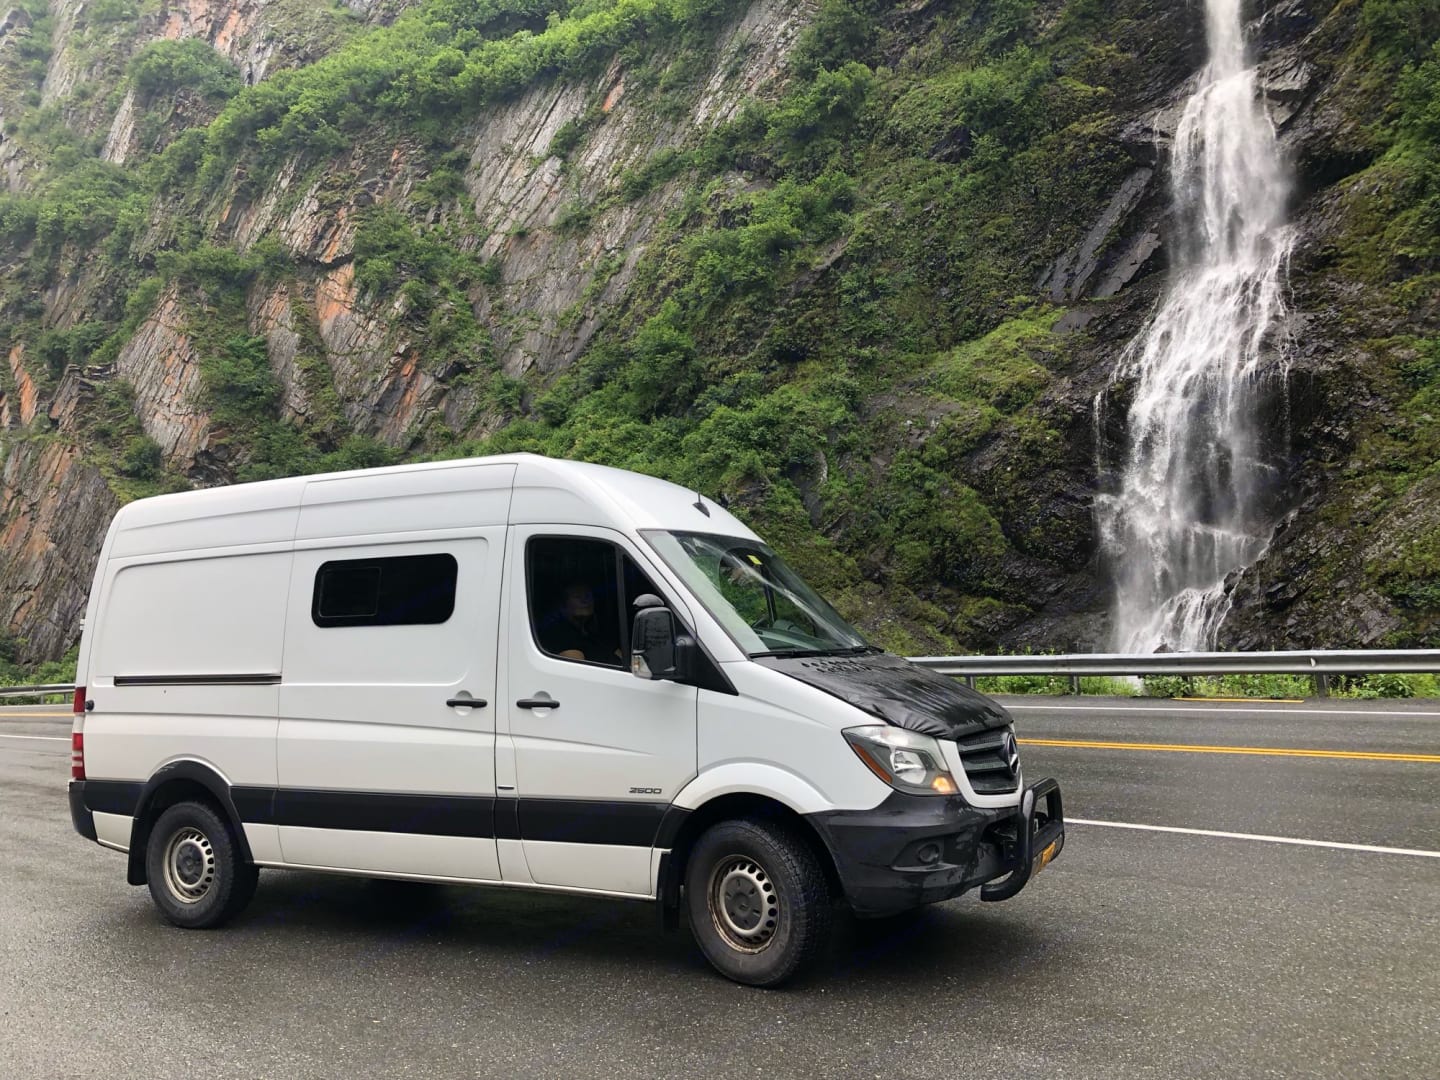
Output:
[[410, 590]]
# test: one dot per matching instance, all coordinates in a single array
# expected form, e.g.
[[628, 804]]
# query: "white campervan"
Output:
[[527, 673]]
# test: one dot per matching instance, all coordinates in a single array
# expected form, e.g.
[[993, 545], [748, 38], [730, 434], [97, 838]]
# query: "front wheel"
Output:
[[197, 876], [758, 901]]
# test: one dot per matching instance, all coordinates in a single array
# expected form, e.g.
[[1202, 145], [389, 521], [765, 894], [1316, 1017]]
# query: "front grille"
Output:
[[986, 763]]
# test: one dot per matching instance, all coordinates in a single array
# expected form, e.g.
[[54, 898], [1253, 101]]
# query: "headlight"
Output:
[[906, 760]]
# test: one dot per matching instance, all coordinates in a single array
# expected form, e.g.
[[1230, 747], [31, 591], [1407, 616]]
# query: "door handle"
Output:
[[537, 703], [467, 703]]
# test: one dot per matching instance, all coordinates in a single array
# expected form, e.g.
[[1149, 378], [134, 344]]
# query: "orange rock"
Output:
[[613, 97], [24, 385]]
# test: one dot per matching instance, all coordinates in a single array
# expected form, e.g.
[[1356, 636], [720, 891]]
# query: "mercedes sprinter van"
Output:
[[532, 674]]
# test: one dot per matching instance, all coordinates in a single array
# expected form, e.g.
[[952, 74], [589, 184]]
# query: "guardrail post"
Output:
[[970, 681], [1322, 685], [1075, 684]]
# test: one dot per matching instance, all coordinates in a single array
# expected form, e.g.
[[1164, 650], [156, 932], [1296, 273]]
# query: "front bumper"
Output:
[[80, 815], [913, 850]]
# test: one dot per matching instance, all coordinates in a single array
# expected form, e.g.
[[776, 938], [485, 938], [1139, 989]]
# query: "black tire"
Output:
[[758, 900], [197, 876]]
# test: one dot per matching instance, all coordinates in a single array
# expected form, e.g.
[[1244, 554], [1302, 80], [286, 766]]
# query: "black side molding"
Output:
[[393, 812], [113, 796], [588, 821], [240, 679]]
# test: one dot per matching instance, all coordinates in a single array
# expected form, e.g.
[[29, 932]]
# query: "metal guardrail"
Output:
[[1320, 664], [49, 690]]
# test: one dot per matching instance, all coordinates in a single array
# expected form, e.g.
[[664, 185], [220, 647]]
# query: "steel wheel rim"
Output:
[[744, 903], [189, 863]]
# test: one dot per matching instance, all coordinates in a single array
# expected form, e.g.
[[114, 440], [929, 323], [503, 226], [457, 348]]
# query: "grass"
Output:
[[1252, 687], [49, 673]]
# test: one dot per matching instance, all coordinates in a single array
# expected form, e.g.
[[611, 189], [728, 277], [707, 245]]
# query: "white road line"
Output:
[[39, 738], [1207, 710], [1370, 848]]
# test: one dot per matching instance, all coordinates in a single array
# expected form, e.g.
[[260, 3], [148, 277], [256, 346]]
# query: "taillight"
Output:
[[77, 755], [79, 706]]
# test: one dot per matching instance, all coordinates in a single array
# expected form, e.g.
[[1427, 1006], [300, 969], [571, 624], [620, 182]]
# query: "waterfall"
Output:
[[1196, 479]]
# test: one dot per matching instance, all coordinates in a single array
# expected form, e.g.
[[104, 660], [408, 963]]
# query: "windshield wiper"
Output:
[[855, 650]]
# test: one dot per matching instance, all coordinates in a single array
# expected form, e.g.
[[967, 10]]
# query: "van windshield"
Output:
[[761, 602]]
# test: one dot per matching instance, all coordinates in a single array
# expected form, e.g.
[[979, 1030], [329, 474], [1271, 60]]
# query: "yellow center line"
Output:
[[1262, 751]]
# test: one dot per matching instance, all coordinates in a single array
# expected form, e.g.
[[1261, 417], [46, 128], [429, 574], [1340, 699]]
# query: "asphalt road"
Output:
[[1138, 953]]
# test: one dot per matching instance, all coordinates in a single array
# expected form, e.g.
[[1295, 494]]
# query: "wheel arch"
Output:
[[683, 831], [176, 782]]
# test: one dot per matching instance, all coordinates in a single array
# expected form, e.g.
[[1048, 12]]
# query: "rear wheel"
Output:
[[758, 901], [197, 876]]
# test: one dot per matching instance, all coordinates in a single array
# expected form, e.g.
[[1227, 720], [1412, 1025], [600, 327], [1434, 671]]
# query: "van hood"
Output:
[[897, 692]]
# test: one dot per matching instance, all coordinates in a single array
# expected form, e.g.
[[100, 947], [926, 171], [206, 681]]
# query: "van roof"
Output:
[[545, 491]]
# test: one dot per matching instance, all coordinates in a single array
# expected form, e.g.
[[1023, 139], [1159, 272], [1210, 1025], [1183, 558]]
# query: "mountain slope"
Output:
[[859, 269]]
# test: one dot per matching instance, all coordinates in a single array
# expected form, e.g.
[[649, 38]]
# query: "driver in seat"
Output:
[[574, 632]]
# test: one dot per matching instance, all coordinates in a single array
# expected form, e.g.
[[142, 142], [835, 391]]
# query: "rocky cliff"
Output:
[[860, 269]]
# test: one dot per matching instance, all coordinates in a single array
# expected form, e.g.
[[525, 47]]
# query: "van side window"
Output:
[[582, 597], [409, 590], [574, 597]]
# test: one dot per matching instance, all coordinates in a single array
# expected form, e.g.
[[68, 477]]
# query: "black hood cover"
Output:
[[898, 692]]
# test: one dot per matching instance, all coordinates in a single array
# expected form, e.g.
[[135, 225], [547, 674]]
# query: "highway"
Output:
[[1141, 952]]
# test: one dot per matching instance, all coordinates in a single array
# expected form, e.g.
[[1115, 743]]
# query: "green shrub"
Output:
[[1007, 23], [82, 204], [110, 12], [841, 31], [813, 125], [568, 136], [1401, 28], [1003, 101], [162, 68], [390, 250], [1386, 686], [1023, 684], [142, 458], [662, 374], [1054, 685], [239, 385], [76, 345], [1165, 686]]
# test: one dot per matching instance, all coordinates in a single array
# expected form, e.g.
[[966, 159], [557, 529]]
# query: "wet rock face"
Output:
[[524, 195], [162, 364], [376, 367], [554, 279], [1112, 248], [54, 511], [273, 316]]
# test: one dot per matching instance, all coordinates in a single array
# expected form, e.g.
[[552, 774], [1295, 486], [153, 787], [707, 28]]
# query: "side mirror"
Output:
[[657, 650]]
